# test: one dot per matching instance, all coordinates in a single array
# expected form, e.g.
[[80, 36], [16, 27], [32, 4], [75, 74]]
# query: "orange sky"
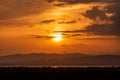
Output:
[[54, 26]]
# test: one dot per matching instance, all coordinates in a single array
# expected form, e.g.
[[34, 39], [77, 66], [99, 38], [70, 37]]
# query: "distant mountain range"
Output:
[[73, 59]]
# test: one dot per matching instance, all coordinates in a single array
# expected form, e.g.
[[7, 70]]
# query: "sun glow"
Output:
[[57, 37]]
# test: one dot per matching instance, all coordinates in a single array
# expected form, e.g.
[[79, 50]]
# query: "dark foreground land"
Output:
[[59, 73]]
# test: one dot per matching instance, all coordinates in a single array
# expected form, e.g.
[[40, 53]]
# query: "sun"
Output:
[[57, 37]]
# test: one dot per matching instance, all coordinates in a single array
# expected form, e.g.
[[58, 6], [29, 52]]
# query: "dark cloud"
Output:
[[101, 30], [69, 35], [95, 29], [113, 29], [105, 29], [59, 4], [42, 37], [96, 12], [69, 22], [115, 9], [47, 21], [75, 1], [75, 35]]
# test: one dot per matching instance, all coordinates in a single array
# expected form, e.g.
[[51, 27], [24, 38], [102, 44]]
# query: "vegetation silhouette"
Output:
[[59, 73]]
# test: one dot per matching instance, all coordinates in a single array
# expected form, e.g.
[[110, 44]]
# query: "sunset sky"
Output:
[[59, 26]]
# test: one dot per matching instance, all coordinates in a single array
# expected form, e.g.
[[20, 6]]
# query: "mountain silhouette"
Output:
[[71, 59]]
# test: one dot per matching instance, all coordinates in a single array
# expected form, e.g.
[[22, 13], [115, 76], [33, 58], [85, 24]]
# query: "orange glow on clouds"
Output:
[[72, 21]]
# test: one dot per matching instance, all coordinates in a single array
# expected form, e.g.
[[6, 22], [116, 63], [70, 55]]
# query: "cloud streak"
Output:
[[69, 22], [47, 21], [96, 12], [43, 37]]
